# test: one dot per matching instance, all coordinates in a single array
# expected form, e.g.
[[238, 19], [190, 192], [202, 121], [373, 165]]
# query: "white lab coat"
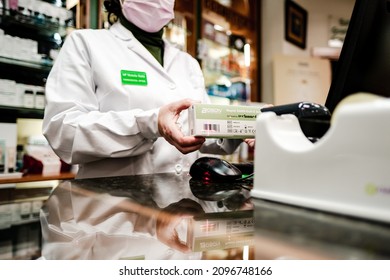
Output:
[[110, 129]]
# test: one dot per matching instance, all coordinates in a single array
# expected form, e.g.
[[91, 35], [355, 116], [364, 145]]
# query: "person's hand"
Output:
[[167, 234], [170, 217], [251, 142], [170, 130]]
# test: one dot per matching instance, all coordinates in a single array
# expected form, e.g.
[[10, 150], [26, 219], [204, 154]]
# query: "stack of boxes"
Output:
[[21, 95], [11, 92]]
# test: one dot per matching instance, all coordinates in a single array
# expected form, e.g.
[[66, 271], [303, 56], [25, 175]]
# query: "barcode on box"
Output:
[[211, 127]]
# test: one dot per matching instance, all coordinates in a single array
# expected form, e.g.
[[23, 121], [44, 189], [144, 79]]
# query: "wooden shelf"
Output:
[[38, 177]]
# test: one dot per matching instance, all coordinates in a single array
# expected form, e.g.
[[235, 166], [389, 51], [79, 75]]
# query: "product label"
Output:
[[134, 78], [222, 112], [220, 242], [210, 120], [215, 231]]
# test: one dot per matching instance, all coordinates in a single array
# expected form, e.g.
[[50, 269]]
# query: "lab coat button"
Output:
[[178, 168], [169, 252], [172, 86]]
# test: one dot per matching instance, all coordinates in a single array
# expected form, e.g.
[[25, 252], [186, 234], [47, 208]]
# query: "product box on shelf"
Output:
[[8, 95], [8, 140], [39, 101]]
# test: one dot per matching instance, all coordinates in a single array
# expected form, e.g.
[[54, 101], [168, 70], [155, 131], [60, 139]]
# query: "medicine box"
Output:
[[222, 121]]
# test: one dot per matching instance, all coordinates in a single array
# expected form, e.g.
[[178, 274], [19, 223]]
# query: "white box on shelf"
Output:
[[20, 89], [7, 92], [29, 98], [8, 132], [39, 101], [43, 153]]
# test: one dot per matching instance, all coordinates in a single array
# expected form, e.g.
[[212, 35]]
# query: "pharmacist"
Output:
[[117, 98]]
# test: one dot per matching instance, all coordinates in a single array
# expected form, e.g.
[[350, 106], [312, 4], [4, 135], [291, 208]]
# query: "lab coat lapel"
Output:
[[135, 46], [169, 54]]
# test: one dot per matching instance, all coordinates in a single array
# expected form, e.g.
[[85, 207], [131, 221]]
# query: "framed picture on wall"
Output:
[[295, 24]]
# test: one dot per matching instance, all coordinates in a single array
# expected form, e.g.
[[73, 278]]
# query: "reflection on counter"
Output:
[[143, 217], [221, 230], [169, 216]]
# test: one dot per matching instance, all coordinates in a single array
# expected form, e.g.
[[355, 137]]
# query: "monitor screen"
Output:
[[364, 63]]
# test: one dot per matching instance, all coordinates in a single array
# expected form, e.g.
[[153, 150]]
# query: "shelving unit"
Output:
[[238, 20], [43, 27], [229, 49], [22, 197]]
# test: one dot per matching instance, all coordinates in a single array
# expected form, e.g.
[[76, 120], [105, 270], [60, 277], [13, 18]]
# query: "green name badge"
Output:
[[134, 78]]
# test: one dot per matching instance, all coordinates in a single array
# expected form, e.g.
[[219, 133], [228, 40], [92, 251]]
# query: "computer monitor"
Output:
[[364, 63]]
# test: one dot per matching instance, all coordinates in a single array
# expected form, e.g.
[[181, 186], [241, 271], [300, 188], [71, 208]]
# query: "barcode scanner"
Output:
[[314, 119], [212, 169]]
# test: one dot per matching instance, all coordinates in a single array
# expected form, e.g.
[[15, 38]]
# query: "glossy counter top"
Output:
[[169, 216]]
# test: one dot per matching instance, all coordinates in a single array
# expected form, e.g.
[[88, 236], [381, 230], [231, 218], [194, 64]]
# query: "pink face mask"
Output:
[[148, 15]]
